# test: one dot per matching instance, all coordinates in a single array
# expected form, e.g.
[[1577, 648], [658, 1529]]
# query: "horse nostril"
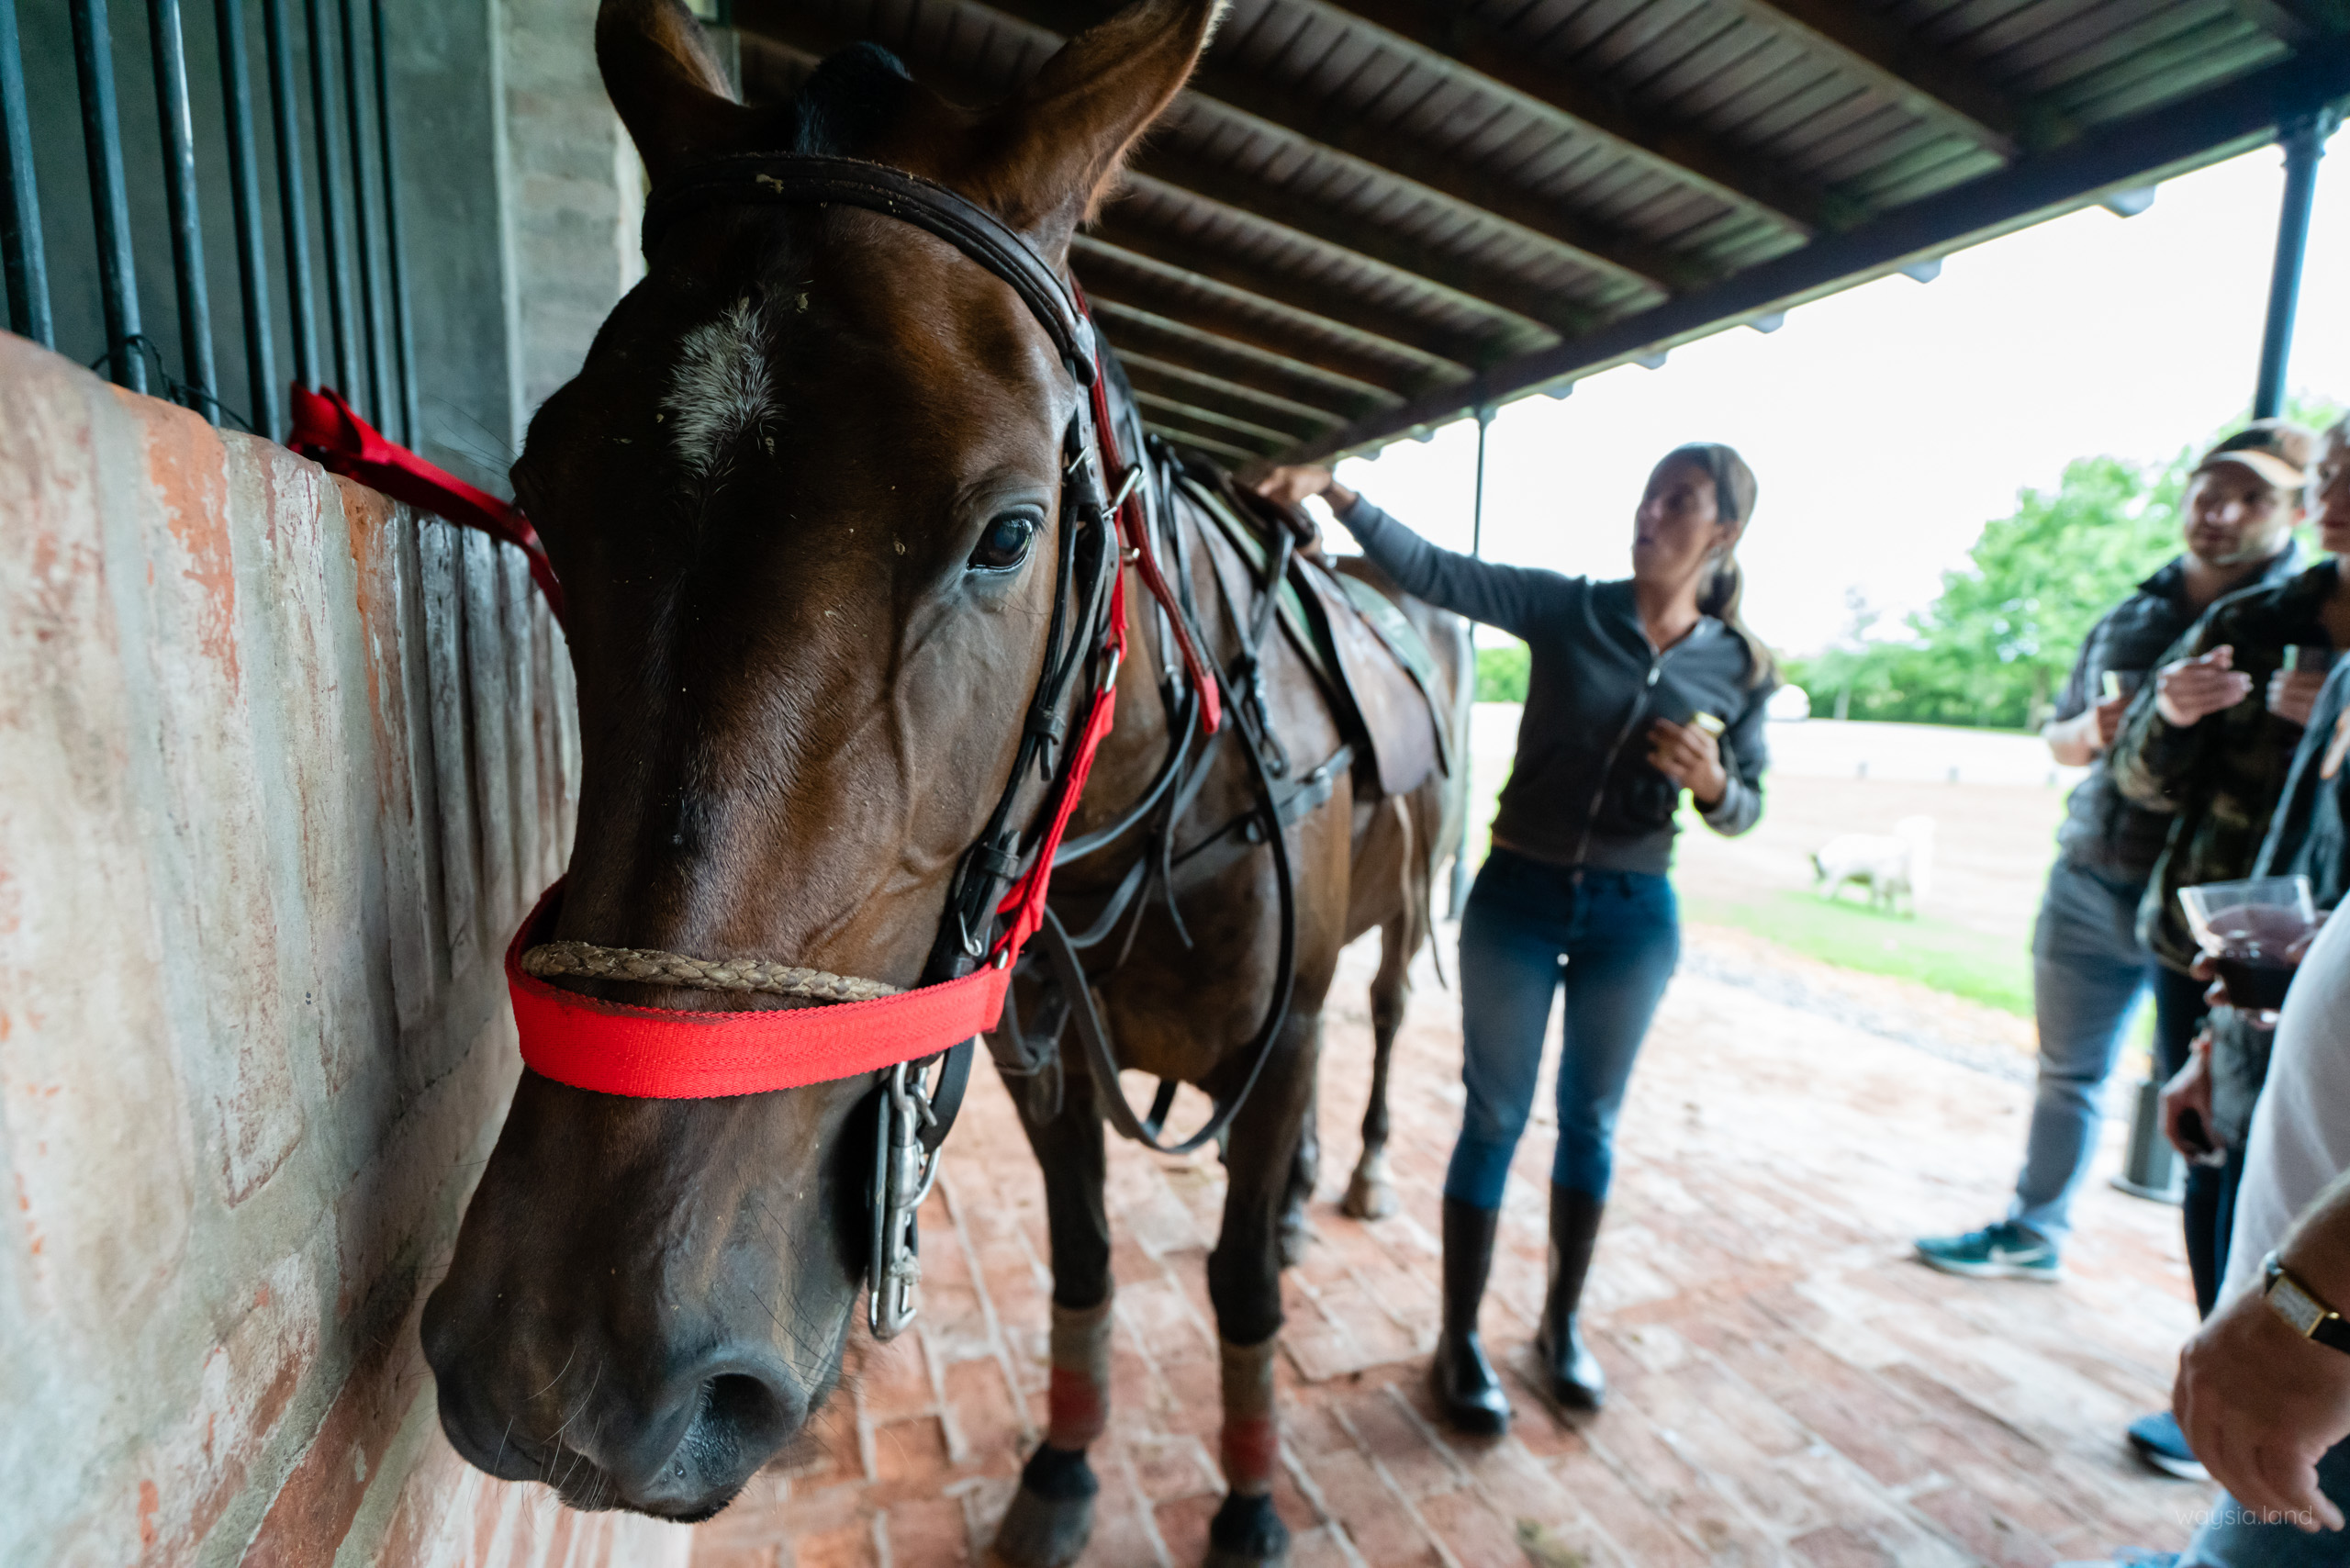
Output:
[[747, 1412]]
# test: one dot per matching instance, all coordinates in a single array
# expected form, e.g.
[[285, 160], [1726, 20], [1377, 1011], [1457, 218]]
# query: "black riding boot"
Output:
[[1571, 1371], [1466, 1389]]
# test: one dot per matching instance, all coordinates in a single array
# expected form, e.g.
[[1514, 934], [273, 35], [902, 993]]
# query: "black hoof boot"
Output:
[[1246, 1533], [1571, 1374], [1052, 1514], [1467, 1392]]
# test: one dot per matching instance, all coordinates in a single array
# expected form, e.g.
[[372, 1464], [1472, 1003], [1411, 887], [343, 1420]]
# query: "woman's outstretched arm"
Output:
[[1512, 597]]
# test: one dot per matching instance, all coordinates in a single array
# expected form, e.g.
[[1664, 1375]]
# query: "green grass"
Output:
[[1994, 970]]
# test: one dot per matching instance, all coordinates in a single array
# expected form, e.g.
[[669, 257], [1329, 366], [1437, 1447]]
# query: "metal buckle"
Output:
[[903, 1176]]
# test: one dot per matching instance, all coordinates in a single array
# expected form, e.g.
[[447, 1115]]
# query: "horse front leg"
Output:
[[1244, 1285], [1370, 1194], [1052, 1514]]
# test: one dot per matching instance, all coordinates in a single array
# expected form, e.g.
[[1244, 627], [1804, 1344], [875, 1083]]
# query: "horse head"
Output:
[[804, 498]]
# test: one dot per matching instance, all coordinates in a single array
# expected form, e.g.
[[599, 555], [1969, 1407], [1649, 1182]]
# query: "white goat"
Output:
[[1890, 868]]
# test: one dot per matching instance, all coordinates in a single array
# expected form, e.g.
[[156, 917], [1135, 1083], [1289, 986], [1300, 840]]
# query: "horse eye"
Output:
[[1005, 543]]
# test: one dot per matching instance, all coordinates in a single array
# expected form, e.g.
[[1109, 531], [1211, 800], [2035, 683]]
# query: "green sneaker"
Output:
[[2002, 1252]]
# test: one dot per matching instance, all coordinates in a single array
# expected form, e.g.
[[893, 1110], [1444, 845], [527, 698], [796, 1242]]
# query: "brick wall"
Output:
[[280, 765]]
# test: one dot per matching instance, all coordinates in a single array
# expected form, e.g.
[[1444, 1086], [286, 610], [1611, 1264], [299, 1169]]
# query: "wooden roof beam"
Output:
[[1245, 367], [1222, 427], [1291, 336], [1444, 31], [795, 27], [1923, 79], [1119, 231], [1622, 256], [1149, 372]]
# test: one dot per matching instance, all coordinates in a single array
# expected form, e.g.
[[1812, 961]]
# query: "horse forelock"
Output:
[[722, 388]]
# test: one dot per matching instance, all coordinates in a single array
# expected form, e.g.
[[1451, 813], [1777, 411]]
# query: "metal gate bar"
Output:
[[370, 315], [170, 50], [245, 177], [325, 111], [21, 255], [403, 350], [293, 203], [109, 197]]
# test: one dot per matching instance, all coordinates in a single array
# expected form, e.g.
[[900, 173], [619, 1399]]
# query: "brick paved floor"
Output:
[[1788, 1387]]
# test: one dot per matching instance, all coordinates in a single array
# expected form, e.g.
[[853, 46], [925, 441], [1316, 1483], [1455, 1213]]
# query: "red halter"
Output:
[[665, 1053]]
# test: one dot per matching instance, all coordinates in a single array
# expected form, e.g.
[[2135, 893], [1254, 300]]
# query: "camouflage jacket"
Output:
[[2220, 778], [2309, 834]]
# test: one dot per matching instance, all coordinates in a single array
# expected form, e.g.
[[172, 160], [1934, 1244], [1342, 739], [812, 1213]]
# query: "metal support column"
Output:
[[377, 359], [21, 253], [1476, 547], [2304, 143], [326, 108], [109, 193], [187, 223]]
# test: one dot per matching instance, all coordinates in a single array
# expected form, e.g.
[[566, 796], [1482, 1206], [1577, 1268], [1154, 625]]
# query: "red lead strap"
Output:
[[657, 1053]]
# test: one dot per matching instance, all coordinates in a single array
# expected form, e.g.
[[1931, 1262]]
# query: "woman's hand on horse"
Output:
[[1291, 487], [1689, 757]]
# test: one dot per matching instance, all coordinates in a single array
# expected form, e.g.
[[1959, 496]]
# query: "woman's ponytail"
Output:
[[1734, 492], [1719, 600]]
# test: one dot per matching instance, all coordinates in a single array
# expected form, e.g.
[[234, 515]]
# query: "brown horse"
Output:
[[802, 499]]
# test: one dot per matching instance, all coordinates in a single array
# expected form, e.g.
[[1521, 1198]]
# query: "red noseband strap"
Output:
[[658, 1053]]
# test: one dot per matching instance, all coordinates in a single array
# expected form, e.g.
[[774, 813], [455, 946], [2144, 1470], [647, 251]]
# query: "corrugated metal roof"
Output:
[[1363, 217]]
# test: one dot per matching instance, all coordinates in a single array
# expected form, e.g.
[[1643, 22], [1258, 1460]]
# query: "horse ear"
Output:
[[668, 87], [1054, 149]]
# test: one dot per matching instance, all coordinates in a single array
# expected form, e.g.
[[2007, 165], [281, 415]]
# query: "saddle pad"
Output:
[[1399, 722]]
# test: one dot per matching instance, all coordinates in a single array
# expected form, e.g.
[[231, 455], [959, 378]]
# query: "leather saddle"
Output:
[[1379, 673]]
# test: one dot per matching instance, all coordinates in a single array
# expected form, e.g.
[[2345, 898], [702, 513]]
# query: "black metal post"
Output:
[[21, 254], [2304, 143], [293, 202], [109, 197], [179, 191], [403, 349], [244, 181], [370, 315], [332, 197], [1476, 546]]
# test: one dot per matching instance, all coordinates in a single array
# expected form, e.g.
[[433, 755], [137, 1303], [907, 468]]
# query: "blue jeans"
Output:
[[1612, 938], [2086, 971], [2231, 1538]]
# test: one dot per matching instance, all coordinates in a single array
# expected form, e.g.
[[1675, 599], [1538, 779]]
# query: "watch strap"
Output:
[[2307, 1313]]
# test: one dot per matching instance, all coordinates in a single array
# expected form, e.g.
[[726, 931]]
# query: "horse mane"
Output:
[[846, 103]]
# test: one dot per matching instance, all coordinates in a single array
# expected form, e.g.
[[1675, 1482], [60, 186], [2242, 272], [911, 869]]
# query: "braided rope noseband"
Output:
[[649, 966]]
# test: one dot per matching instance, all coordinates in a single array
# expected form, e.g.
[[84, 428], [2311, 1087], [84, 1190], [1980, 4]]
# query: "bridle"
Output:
[[996, 898]]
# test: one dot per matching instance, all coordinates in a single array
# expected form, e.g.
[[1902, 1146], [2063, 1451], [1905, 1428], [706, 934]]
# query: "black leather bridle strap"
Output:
[[800, 179]]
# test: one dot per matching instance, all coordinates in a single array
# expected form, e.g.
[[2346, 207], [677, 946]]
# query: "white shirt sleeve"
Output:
[[2301, 1131]]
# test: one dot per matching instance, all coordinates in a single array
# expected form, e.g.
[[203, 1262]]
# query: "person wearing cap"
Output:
[[1639, 691], [2089, 968], [2209, 741]]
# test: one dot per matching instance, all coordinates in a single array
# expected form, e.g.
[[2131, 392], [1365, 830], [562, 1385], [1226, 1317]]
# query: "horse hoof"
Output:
[[1368, 1197], [1246, 1533], [1295, 1237], [1051, 1516]]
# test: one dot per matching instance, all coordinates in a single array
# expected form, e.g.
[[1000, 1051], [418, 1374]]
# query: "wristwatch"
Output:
[[2301, 1308]]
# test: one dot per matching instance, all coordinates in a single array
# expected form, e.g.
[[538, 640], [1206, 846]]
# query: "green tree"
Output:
[[1502, 664], [1994, 649]]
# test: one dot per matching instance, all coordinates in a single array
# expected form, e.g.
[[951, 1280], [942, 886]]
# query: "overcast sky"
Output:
[[1888, 423]]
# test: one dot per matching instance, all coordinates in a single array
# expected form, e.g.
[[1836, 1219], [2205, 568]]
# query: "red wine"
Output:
[[2255, 982]]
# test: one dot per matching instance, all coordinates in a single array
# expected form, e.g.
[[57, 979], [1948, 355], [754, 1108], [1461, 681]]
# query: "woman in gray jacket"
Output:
[[1640, 688]]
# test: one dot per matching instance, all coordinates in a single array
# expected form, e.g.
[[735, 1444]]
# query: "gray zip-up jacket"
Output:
[[1582, 791]]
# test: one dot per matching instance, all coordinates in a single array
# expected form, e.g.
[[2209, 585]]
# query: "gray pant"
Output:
[[2086, 971]]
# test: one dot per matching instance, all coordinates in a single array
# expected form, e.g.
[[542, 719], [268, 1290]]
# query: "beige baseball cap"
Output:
[[2277, 451]]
